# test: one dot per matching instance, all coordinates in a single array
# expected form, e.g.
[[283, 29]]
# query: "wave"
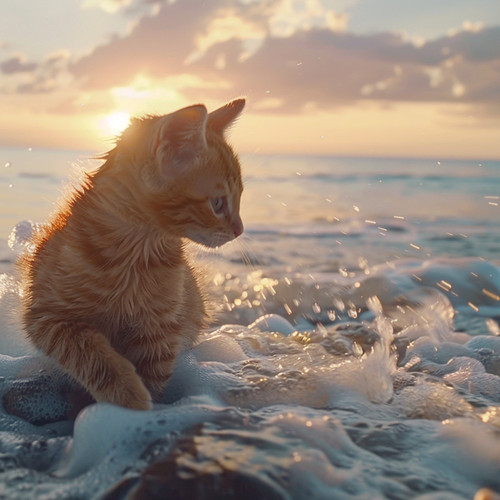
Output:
[[39, 175], [332, 177], [349, 385]]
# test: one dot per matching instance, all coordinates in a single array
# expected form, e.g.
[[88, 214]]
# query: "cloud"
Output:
[[17, 64], [22, 77], [288, 16], [285, 55], [163, 44], [157, 46], [332, 68], [180, 34], [108, 6]]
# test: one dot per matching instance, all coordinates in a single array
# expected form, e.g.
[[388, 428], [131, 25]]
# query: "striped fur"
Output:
[[109, 292]]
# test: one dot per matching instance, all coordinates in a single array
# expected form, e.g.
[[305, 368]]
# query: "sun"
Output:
[[114, 123]]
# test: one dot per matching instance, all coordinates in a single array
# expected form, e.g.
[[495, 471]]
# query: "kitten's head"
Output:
[[191, 179]]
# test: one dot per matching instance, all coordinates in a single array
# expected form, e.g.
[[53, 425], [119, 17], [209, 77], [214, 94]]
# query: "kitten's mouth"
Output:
[[216, 239], [213, 241], [219, 240]]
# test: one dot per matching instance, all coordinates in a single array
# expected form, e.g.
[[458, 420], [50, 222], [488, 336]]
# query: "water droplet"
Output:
[[8, 164], [352, 313], [20, 236]]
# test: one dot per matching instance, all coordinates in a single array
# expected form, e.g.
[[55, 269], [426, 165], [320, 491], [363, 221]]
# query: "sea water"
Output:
[[356, 353]]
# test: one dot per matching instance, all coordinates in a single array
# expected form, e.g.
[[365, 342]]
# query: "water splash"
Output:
[[19, 239]]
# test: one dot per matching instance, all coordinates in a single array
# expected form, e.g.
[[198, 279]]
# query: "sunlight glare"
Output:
[[114, 123]]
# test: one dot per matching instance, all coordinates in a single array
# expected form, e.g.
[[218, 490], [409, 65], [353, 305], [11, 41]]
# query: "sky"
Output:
[[392, 78]]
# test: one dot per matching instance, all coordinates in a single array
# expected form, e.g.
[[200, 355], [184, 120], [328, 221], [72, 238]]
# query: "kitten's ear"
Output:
[[180, 138], [222, 118]]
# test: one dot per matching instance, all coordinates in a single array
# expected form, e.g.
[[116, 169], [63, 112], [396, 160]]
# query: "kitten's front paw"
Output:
[[127, 391], [134, 395]]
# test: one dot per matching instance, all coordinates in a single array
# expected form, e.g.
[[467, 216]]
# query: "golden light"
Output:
[[114, 123]]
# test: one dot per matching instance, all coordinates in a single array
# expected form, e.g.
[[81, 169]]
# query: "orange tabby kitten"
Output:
[[108, 291]]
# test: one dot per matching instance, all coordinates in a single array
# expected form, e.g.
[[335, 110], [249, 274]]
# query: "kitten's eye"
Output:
[[218, 204]]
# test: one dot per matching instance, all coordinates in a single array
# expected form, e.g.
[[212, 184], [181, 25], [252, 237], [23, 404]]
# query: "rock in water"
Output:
[[44, 399], [188, 472]]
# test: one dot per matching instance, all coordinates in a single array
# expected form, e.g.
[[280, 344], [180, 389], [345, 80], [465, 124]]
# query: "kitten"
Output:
[[109, 292]]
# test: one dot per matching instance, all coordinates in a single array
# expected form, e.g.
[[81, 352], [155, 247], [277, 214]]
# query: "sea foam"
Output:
[[350, 385]]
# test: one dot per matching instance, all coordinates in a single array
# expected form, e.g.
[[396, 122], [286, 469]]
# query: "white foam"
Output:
[[218, 347], [273, 323], [102, 430], [13, 341], [290, 386], [478, 446], [431, 401]]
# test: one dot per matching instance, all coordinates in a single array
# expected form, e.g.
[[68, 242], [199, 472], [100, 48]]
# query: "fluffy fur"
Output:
[[109, 292]]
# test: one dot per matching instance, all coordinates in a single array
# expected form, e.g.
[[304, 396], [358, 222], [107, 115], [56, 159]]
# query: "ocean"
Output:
[[356, 351]]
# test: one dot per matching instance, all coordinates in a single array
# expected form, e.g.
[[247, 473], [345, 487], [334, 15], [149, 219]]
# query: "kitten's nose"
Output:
[[237, 226]]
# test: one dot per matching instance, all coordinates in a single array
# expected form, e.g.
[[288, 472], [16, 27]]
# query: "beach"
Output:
[[355, 351]]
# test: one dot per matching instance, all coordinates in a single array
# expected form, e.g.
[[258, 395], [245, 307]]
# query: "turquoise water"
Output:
[[356, 352]]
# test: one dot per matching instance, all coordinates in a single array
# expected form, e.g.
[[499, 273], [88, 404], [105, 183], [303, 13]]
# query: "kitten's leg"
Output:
[[156, 378], [88, 356], [154, 362]]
